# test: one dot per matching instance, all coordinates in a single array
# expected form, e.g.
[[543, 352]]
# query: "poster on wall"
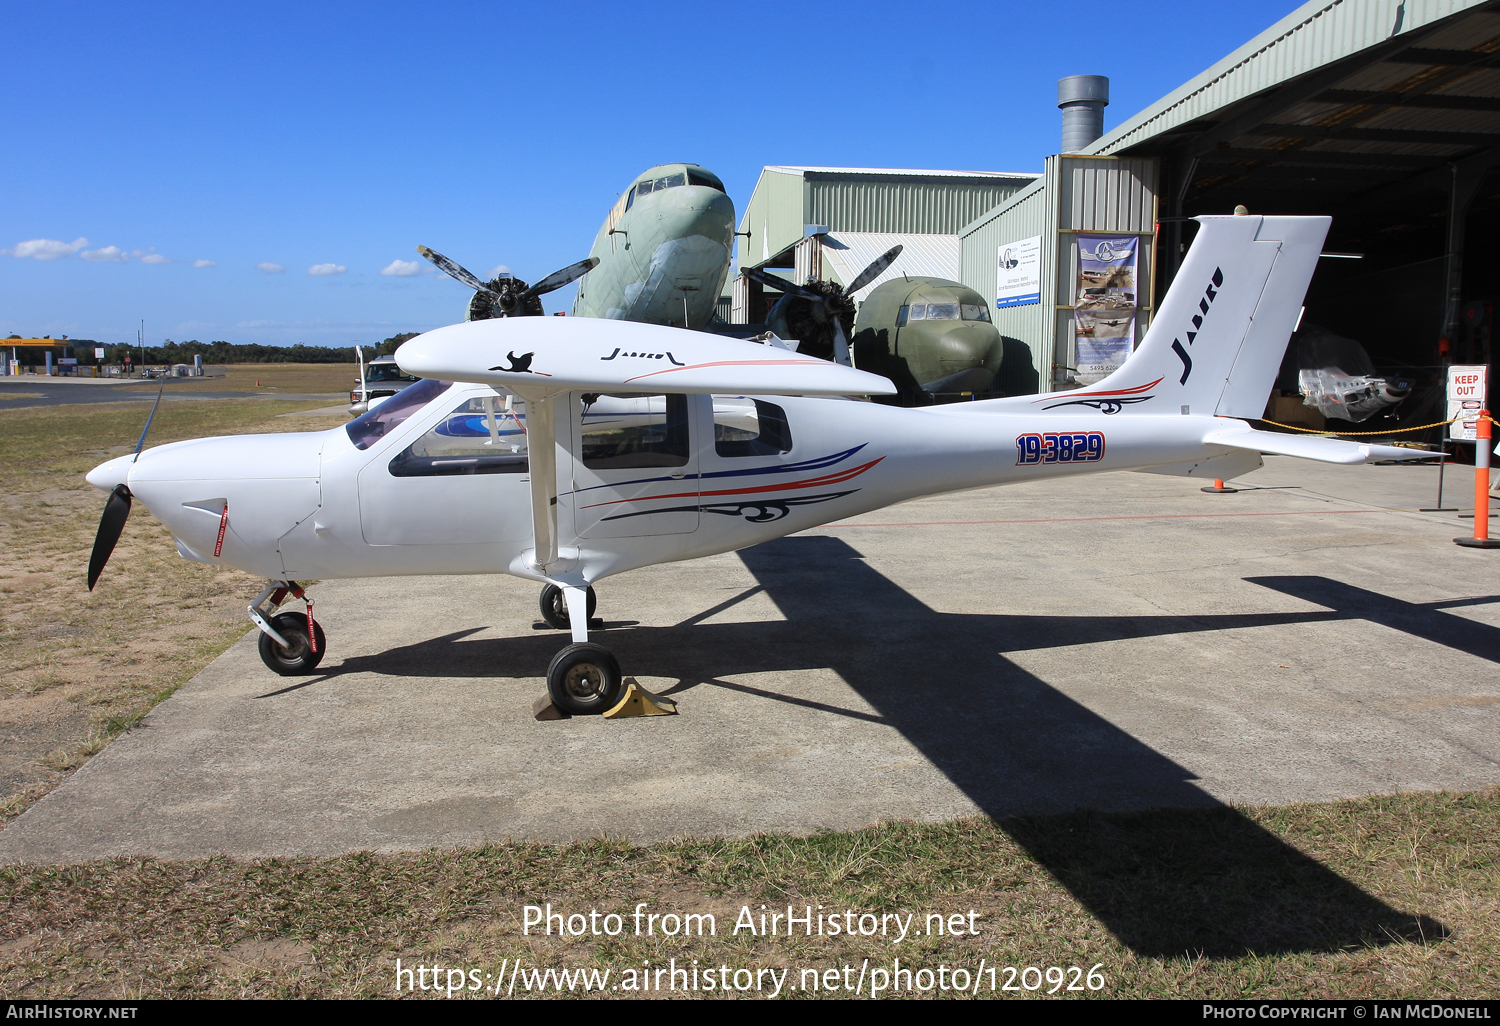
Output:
[[1020, 273], [1104, 309]]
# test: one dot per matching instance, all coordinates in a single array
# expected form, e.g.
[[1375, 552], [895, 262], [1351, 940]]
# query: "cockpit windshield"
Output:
[[671, 182], [365, 430]]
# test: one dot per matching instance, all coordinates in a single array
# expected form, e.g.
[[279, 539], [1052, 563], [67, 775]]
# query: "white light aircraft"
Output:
[[564, 450]]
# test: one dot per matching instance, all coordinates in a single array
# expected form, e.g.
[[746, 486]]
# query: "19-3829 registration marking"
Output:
[[1060, 447]]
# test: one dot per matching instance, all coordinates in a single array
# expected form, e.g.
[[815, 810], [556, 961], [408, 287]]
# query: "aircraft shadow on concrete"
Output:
[[1166, 867]]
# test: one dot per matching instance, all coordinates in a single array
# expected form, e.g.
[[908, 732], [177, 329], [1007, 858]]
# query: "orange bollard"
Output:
[[1218, 487], [1481, 539]]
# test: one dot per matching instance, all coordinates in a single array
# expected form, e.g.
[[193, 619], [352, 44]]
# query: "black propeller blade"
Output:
[[116, 509], [557, 279], [782, 285], [454, 270], [872, 272]]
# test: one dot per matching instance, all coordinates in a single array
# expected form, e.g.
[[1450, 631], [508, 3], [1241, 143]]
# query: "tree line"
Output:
[[226, 352]]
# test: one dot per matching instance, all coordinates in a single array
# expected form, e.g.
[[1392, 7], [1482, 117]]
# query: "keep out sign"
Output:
[[1466, 397]]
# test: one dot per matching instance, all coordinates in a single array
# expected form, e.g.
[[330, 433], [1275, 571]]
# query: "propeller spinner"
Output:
[[820, 314], [507, 297]]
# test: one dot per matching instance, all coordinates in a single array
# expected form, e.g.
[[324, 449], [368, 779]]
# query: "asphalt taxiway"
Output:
[[26, 390], [1121, 641]]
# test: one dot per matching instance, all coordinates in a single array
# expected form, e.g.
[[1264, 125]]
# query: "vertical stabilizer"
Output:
[[1219, 335]]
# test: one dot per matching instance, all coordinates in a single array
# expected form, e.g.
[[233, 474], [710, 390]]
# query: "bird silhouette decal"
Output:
[[518, 364]]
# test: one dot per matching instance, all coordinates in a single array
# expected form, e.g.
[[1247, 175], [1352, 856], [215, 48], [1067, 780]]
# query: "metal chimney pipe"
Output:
[[1082, 99]]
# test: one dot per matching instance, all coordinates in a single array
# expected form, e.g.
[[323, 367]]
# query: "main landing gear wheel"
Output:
[[555, 608], [584, 679], [300, 657]]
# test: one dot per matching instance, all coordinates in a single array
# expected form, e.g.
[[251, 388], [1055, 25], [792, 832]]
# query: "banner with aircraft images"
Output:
[[1020, 280], [1105, 308]]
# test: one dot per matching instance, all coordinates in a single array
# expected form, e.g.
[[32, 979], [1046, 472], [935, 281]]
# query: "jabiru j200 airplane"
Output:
[[567, 450]]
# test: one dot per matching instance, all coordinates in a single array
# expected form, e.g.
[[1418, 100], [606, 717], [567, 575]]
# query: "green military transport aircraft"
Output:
[[663, 251], [661, 257], [929, 336]]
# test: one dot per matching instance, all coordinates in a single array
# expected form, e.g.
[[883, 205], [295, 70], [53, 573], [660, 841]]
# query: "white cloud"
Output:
[[204, 263], [270, 268], [149, 257], [106, 255], [323, 270], [47, 249], [403, 269]]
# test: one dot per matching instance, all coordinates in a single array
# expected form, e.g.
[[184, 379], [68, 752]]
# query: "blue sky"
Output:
[[191, 145]]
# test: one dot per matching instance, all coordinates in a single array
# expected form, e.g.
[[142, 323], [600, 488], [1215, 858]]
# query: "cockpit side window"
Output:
[[369, 428], [750, 427], [630, 199], [975, 312], [901, 315], [642, 188], [918, 312], [479, 437], [697, 178], [643, 431]]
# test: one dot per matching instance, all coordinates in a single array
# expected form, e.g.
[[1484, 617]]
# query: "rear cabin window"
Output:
[[369, 428], [750, 427], [644, 431], [479, 437]]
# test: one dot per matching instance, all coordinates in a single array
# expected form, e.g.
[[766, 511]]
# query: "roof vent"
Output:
[[1082, 99]]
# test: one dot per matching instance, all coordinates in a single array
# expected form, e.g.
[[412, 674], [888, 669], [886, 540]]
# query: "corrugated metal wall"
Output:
[[934, 207], [774, 217], [1314, 35], [1023, 216], [1076, 194]]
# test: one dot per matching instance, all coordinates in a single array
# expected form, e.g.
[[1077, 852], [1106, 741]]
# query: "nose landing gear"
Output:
[[291, 644], [584, 678]]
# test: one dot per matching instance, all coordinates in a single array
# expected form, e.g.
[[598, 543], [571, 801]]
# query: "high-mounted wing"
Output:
[[550, 355]]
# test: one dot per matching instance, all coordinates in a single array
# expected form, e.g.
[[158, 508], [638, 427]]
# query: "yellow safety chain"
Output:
[[1388, 431]]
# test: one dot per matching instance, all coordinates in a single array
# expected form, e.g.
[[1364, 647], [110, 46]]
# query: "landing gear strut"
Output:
[[555, 609], [291, 644], [583, 678]]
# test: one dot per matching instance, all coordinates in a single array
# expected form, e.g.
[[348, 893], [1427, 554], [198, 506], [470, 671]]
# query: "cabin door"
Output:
[[634, 466]]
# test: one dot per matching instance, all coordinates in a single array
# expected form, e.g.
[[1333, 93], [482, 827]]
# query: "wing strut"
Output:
[[541, 448]]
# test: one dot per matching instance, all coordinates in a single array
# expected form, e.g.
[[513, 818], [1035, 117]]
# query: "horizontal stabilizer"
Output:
[[1326, 450], [559, 354]]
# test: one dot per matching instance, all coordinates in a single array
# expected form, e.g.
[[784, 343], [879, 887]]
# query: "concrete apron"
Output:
[[1123, 641]]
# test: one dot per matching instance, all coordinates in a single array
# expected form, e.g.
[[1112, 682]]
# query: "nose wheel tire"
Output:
[[584, 679], [299, 658], [555, 608]]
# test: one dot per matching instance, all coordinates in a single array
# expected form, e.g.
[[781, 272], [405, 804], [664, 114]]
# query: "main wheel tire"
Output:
[[299, 658], [584, 679], [555, 607]]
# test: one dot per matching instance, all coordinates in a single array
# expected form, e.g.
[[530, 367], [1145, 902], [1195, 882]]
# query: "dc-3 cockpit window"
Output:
[[942, 311], [365, 430], [750, 427], [670, 182], [629, 432], [479, 437], [974, 312], [699, 178]]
